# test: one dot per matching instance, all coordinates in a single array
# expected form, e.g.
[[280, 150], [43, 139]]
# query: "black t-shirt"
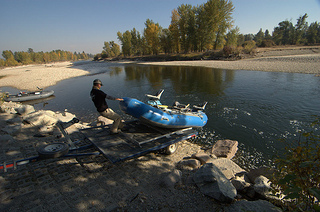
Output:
[[99, 99]]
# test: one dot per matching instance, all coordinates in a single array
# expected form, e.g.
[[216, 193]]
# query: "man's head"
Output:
[[97, 82]]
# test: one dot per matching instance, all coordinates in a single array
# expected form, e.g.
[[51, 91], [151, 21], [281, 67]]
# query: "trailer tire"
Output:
[[53, 150], [169, 150]]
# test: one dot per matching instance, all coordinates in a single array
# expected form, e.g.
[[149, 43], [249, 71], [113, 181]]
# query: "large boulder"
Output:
[[225, 148], [254, 206], [9, 107], [212, 182], [229, 168], [41, 118]]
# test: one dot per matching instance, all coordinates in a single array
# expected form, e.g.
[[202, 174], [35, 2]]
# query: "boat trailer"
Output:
[[136, 139]]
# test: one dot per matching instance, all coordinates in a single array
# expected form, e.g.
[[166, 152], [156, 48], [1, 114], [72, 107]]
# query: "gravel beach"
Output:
[[296, 60]]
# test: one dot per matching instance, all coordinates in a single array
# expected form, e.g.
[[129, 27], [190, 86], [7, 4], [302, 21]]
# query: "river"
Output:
[[258, 109]]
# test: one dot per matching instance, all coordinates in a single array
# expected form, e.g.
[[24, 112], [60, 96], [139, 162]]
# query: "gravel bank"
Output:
[[295, 60], [307, 64], [43, 75]]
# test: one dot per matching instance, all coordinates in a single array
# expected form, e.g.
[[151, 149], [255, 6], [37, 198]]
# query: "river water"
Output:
[[258, 109]]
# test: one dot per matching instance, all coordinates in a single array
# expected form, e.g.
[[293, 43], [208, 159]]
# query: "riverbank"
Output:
[[92, 183], [29, 77], [290, 59]]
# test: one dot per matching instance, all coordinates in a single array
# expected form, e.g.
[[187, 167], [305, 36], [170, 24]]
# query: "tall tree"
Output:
[[187, 26], [152, 36], [283, 34], [218, 16], [313, 33], [258, 38], [125, 39], [232, 37], [8, 56], [301, 29], [136, 42], [166, 41], [174, 30]]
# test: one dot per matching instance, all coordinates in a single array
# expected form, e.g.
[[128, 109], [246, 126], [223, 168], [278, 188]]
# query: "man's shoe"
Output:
[[115, 132]]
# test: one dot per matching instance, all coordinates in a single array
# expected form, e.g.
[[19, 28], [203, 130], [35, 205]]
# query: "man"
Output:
[[99, 99]]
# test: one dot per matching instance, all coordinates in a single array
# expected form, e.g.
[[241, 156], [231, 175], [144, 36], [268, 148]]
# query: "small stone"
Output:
[[202, 157], [192, 163]]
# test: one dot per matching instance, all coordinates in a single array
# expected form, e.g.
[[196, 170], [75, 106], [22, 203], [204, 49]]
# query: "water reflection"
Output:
[[183, 79]]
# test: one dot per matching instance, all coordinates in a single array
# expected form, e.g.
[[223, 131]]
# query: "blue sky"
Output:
[[84, 25]]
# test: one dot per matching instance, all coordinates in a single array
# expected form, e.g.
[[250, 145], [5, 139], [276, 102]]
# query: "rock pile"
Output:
[[224, 181]]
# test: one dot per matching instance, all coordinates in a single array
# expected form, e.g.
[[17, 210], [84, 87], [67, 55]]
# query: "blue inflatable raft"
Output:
[[177, 116]]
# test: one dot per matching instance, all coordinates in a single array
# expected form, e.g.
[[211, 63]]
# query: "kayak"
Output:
[[164, 116], [27, 96]]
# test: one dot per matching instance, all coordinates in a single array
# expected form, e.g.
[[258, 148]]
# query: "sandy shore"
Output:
[[43, 75], [295, 60]]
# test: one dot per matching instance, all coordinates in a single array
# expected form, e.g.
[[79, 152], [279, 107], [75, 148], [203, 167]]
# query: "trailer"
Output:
[[136, 139]]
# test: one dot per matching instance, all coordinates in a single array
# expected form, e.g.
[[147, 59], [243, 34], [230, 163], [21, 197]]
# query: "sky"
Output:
[[84, 25]]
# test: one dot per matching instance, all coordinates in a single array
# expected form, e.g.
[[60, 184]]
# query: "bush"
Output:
[[267, 43], [229, 51], [249, 47], [298, 172]]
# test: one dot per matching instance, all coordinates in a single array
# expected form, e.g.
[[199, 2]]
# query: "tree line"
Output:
[[207, 27], [31, 57]]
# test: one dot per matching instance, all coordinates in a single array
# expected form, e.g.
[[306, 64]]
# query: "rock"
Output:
[[104, 121], [254, 206], [225, 148], [25, 109], [171, 179], [12, 129], [213, 182], [64, 117], [15, 120], [240, 183], [8, 107], [192, 163], [228, 167], [41, 118], [264, 171], [6, 138], [262, 185], [202, 157]]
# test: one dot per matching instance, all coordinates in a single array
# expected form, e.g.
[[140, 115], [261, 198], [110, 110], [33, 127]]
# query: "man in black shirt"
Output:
[[99, 99]]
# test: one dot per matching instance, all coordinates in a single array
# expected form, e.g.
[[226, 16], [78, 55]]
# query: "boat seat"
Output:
[[200, 107], [157, 96], [180, 106]]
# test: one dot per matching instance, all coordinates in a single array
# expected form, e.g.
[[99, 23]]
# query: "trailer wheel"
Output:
[[53, 150], [169, 150]]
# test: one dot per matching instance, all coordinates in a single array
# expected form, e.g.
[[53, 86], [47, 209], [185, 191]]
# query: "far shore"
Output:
[[294, 60]]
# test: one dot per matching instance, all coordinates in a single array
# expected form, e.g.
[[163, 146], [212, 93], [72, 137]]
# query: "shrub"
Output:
[[267, 43], [298, 172], [249, 47], [227, 51]]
